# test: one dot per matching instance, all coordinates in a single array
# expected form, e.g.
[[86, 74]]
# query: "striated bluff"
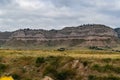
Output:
[[4, 36], [84, 35], [118, 31]]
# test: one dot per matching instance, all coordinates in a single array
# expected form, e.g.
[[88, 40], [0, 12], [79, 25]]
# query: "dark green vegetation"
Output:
[[95, 48], [94, 77]]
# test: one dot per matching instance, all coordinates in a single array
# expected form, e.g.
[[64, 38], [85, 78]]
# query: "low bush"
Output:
[[94, 77], [65, 74], [2, 67], [107, 60], [61, 49], [95, 48], [16, 77], [50, 70], [53, 60], [106, 68], [39, 61], [96, 67], [85, 63]]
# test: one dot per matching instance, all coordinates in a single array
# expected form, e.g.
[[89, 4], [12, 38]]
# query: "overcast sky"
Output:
[[56, 14]]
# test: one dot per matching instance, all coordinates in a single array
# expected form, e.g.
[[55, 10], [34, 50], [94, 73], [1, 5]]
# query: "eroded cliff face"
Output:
[[81, 31], [4, 36], [84, 35], [118, 31]]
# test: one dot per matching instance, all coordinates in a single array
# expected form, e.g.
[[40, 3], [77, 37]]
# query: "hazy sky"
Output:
[[56, 14]]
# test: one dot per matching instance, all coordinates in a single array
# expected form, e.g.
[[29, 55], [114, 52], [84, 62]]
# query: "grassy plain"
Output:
[[60, 65], [100, 54]]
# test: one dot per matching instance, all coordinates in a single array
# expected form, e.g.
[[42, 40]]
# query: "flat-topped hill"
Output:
[[83, 35], [67, 32]]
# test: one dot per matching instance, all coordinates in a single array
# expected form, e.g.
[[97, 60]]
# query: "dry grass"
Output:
[[71, 53], [35, 64]]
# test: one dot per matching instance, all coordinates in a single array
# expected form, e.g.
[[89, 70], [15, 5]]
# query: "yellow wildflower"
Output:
[[6, 78]]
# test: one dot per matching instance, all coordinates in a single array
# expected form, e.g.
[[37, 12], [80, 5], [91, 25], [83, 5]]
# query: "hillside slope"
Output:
[[118, 31], [80, 36], [4, 36]]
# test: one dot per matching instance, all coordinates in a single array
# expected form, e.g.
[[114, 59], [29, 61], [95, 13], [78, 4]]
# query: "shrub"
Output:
[[111, 68], [95, 67], [100, 68], [85, 63], [2, 67], [115, 69], [95, 48], [106, 68], [107, 60], [16, 77], [1, 59], [49, 70], [39, 61], [112, 78], [64, 74], [61, 49], [53, 60], [92, 77]]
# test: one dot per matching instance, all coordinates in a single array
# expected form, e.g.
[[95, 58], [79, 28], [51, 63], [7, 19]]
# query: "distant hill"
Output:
[[79, 36], [4, 36], [118, 31]]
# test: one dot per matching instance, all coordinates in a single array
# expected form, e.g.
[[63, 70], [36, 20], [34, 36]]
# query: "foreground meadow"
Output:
[[60, 65]]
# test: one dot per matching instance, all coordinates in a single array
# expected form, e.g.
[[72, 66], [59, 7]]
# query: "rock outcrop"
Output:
[[118, 31], [47, 78], [84, 35], [4, 36]]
